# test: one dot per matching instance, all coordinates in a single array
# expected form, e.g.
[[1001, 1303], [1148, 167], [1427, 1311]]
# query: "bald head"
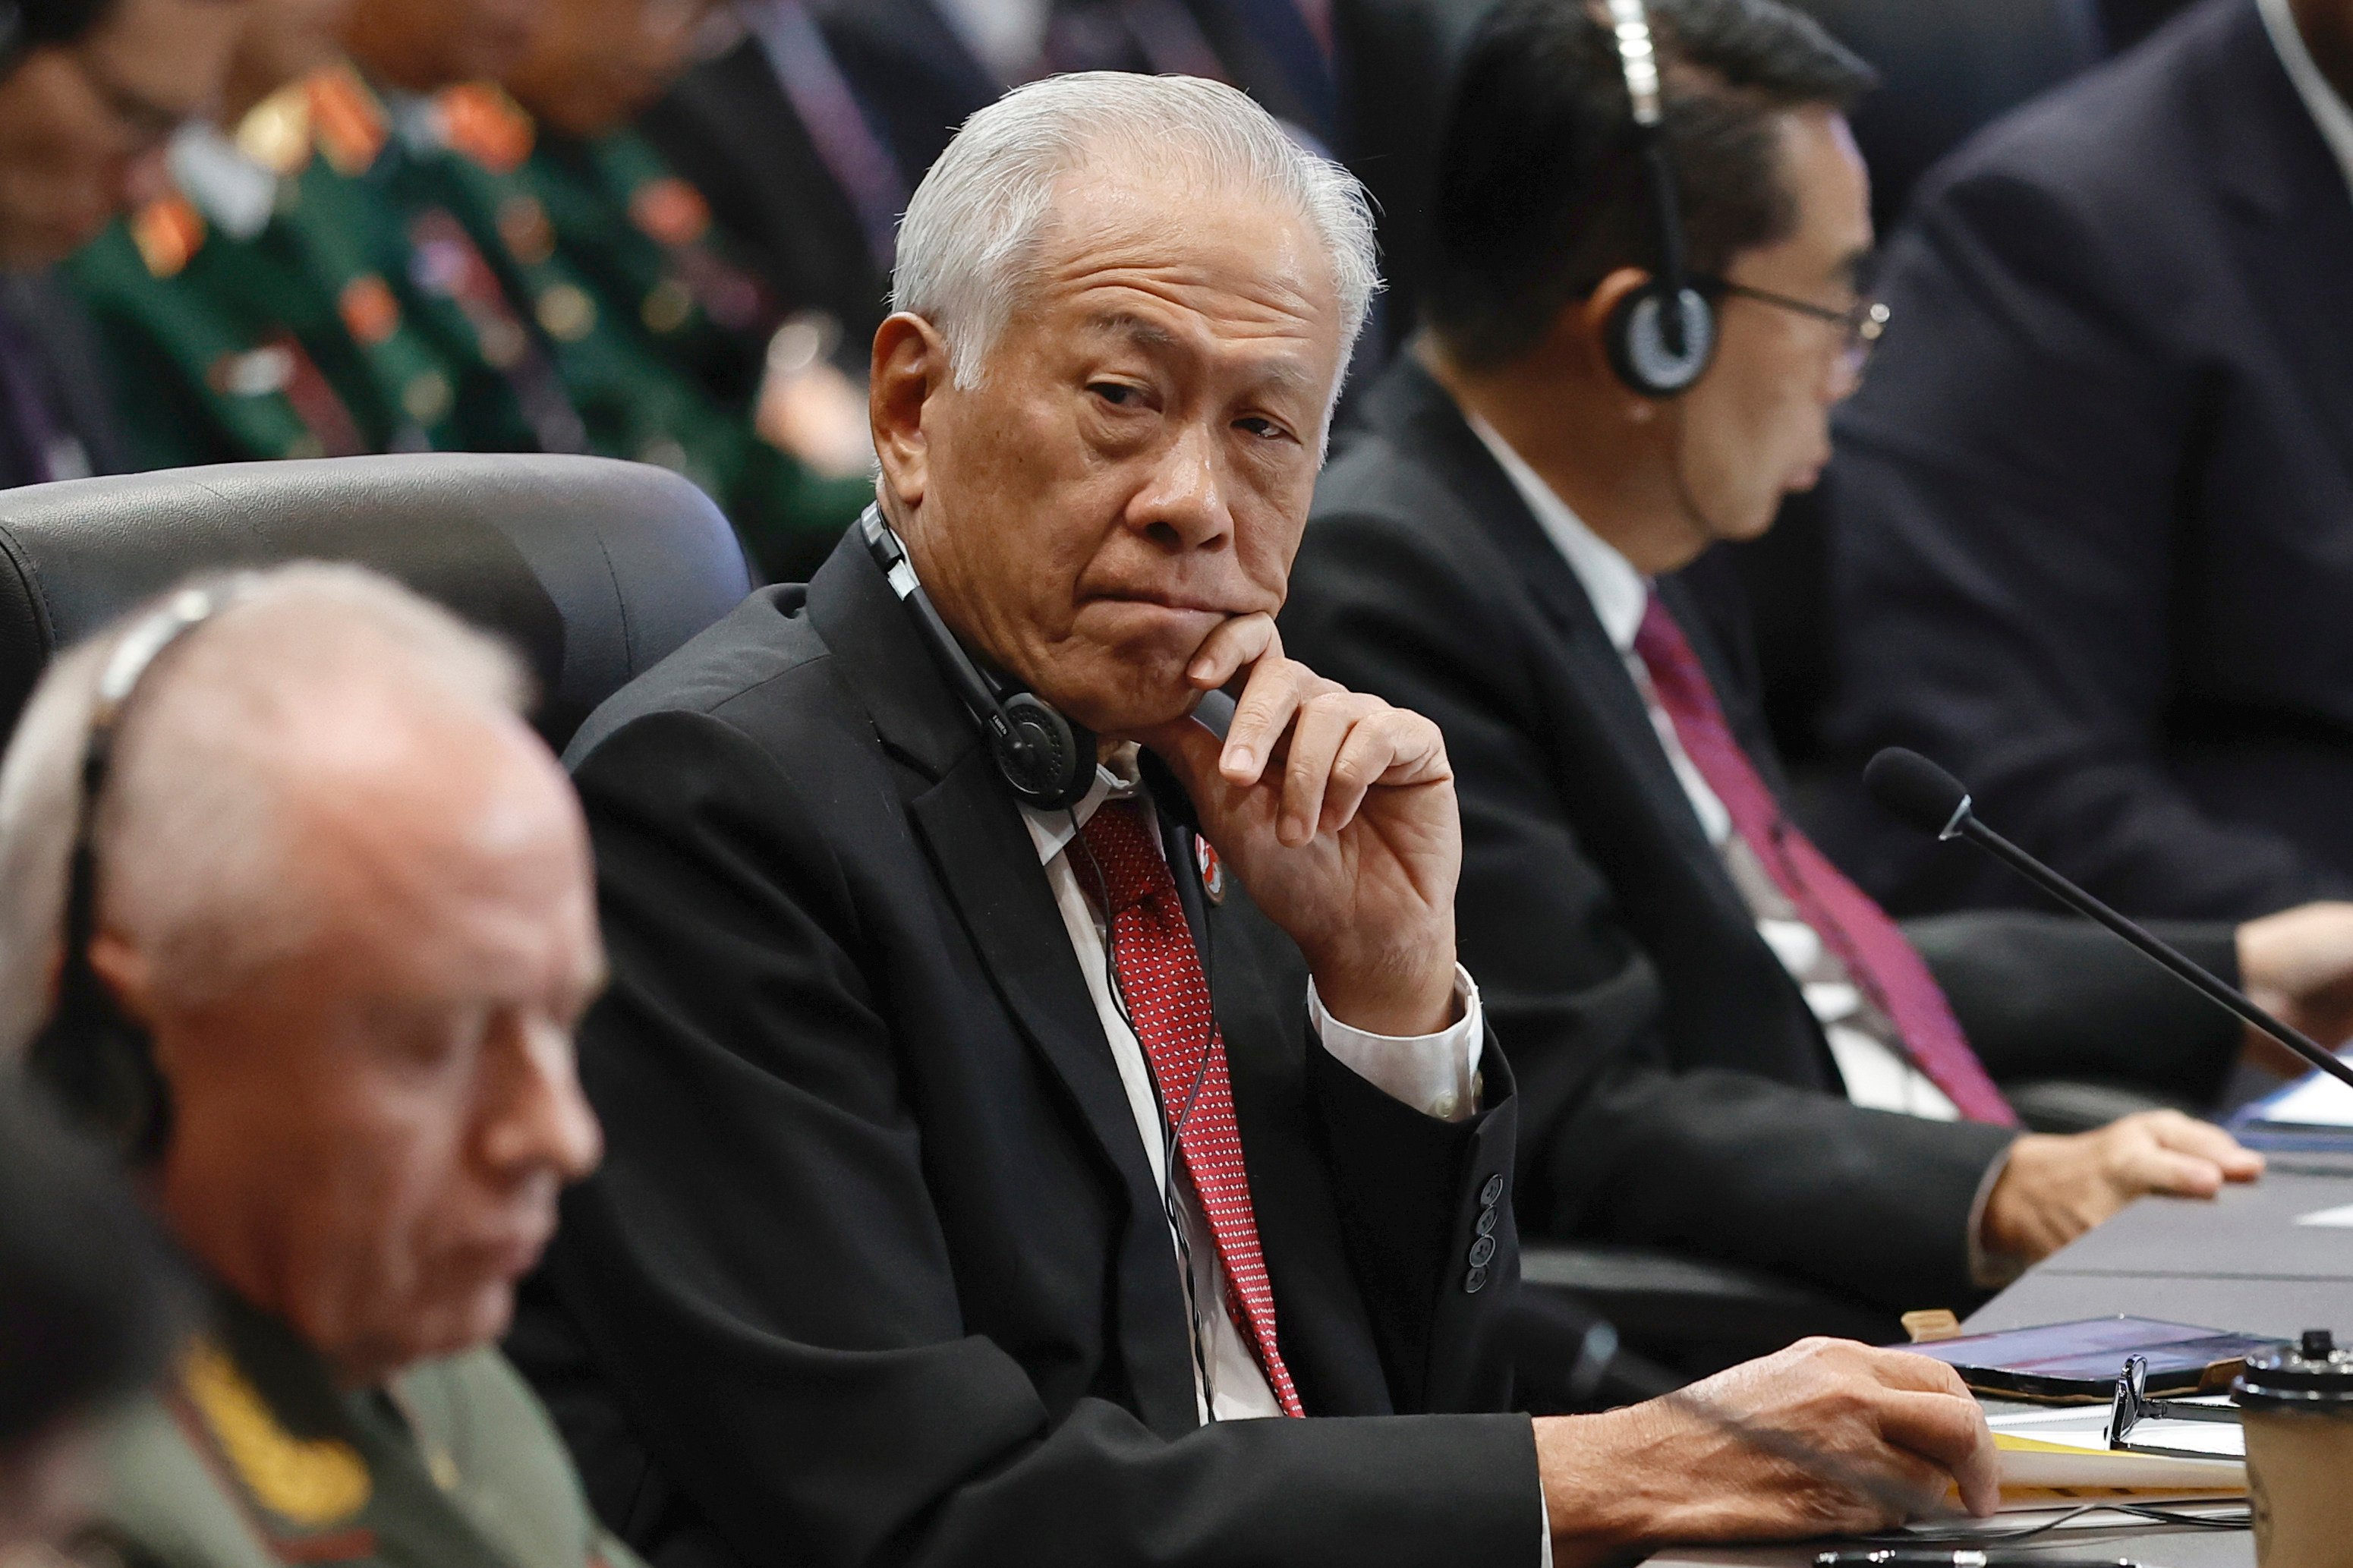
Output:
[[347, 889]]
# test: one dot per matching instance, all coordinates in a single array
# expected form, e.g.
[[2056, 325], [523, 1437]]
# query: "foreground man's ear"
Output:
[[909, 367]]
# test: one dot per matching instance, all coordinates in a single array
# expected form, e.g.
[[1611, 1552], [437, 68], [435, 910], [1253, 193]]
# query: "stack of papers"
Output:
[[2061, 1456], [2316, 1111]]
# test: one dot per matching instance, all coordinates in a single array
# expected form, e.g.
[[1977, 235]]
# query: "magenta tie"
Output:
[[1876, 951]]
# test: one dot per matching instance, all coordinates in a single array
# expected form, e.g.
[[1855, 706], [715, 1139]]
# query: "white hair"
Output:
[[192, 835], [971, 232]]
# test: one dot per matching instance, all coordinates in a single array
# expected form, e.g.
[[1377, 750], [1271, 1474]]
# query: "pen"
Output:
[[1947, 1557]]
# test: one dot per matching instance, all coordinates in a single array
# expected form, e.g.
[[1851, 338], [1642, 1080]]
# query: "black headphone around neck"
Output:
[[95, 1058], [1662, 335], [1047, 761]]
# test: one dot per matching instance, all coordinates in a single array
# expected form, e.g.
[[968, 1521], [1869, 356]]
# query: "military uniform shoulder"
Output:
[[493, 1448], [162, 1505]]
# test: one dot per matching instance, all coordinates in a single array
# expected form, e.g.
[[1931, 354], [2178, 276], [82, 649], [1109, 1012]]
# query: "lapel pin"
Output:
[[1213, 871]]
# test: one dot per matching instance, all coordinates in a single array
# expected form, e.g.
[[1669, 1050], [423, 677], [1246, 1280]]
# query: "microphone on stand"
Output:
[[1917, 792]]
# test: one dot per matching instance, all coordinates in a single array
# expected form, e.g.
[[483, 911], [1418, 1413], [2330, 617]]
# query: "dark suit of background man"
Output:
[[91, 90], [2093, 529], [1722, 1046], [944, 1222]]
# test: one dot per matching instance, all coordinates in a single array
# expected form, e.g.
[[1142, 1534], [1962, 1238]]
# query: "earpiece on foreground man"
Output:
[[1916, 792]]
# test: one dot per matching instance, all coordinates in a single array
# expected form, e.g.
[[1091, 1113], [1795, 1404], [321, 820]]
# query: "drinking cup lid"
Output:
[[2310, 1374]]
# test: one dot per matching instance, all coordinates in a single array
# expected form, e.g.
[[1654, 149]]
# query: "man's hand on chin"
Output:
[[1337, 812]]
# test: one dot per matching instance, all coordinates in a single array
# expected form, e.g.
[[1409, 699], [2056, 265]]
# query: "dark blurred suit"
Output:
[[57, 413], [1677, 1090], [731, 129], [2094, 544]]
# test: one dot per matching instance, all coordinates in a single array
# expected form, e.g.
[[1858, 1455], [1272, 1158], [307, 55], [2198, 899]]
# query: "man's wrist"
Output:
[[1399, 999]]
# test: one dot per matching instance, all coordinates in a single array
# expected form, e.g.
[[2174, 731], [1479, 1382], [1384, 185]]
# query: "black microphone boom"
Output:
[[1917, 792]]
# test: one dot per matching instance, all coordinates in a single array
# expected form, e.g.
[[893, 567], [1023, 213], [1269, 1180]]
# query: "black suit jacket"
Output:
[[874, 1268], [2094, 532], [68, 374], [1677, 1091]]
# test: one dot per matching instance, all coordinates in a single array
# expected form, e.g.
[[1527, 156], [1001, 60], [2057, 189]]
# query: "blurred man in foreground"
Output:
[[2094, 514], [91, 90], [90, 1309], [320, 922], [1728, 1050], [1020, 1145]]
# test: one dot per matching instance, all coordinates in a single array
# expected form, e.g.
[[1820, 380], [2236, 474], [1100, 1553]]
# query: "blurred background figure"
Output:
[[90, 1305], [2094, 508], [321, 930], [366, 256], [91, 90]]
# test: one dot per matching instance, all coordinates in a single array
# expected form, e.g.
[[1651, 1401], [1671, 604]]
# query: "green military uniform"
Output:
[[344, 276], [249, 1457], [659, 341], [278, 304]]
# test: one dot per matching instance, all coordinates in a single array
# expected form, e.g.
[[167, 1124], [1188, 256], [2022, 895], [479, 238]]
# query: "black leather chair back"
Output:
[[594, 569]]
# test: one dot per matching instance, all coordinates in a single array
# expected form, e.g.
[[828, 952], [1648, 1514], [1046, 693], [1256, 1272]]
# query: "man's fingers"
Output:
[[1267, 703], [1243, 640], [2187, 1135], [1920, 1374], [1324, 726], [1950, 1433], [2175, 1175]]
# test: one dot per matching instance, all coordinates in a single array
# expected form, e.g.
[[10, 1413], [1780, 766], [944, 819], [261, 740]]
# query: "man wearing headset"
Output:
[[1038, 1130], [1645, 301], [314, 906]]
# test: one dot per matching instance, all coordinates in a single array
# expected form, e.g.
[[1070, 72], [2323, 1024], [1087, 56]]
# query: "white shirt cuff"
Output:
[[1438, 1074]]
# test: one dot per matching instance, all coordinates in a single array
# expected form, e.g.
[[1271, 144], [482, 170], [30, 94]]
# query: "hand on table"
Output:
[[1825, 1437], [1337, 812], [2298, 966], [2056, 1188]]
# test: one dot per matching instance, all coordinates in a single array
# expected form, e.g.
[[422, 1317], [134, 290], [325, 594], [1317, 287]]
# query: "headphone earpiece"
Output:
[[94, 1056], [100, 1065], [1649, 358], [1046, 760]]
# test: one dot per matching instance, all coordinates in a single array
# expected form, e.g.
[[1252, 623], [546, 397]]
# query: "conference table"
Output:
[[2241, 1262]]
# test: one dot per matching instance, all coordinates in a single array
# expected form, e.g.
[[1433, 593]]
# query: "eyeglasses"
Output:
[[1860, 325]]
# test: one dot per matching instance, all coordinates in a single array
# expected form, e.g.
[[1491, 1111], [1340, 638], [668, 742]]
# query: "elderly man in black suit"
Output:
[[1723, 1046], [2094, 514], [1022, 1144]]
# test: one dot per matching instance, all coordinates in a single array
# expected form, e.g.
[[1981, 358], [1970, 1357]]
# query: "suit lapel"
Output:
[[1436, 432], [988, 865]]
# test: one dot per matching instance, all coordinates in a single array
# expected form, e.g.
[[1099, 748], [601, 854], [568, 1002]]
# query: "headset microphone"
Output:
[[1047, 761], [1661, 337], [1914, 790]]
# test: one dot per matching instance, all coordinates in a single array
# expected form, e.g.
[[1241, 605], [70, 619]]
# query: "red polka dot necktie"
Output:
[[1168, 1000], [1879, 958]]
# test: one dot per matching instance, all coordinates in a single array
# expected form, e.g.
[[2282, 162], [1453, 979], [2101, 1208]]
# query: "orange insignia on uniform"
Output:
[[370, 312], [670, 210], [168, 232], [346, 120], [481, 121]]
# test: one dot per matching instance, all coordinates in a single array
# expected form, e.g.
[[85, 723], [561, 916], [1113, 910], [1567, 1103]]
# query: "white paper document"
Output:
[[2049, 1455]]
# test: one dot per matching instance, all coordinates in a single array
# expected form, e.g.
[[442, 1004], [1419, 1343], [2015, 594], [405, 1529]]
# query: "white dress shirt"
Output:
[[1438, 1075], [2329, 110], [1877, 1076]]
